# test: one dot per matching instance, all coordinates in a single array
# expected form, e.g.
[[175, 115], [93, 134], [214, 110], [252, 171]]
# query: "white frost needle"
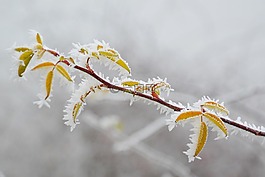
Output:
[[51, 64]]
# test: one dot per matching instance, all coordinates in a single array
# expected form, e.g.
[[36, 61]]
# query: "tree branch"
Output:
[[162, 102], [157, 100]]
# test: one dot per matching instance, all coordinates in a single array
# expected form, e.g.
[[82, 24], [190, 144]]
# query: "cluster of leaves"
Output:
[[204, 113], [50, 63], [36, 53], [81, 55]]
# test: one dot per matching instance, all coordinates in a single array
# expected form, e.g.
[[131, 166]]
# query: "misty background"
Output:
[[204, 47]]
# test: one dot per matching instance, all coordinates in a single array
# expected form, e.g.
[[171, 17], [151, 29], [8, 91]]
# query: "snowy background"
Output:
[[209, 47]]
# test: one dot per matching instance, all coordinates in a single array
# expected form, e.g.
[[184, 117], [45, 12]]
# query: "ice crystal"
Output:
[[77, 102], [43, 101]]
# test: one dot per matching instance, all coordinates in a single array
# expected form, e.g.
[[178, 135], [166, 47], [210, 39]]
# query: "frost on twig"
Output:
[[236, 131], [51, 65], [206, 112], [78, 100]]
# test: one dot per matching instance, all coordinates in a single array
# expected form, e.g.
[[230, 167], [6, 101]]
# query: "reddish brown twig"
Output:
[[162, 102]]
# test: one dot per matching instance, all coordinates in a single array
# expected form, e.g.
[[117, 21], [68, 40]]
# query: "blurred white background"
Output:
[[209, 47]]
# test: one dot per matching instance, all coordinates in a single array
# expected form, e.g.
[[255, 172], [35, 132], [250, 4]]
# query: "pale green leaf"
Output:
[[43, 65], [130, 83], [107, 54], [38, 38], [22, 49], [121, 63], [76, 110], [63, 72], [25, 57]]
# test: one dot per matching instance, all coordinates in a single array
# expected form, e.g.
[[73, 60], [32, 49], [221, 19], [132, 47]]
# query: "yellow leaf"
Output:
[[99, 47], [27, 54], [130, 83], [43, 65], [21, 70], [83, 51], [94, 54], [107, 54], [201, 138], [21, 49], [38, 38], [62, 58], [25, 57], [188, 114], [49, 83], [217, 121], [112, 58], [71, 60], [63, 72], [123, 65], [215, 106], [157, 91], [113, 51], [76, 109]]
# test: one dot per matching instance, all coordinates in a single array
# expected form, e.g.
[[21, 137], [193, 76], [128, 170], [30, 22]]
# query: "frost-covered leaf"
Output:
[[71, 60], [198, 139], [25, 58], [103, 54], [26, 55], [76, 110], [215, 107], [83, 51], [63, 72], [78, 101], [39, 38], [22, 49], [124, 65], [211, 105], [108, 54], [216, 121], [49, 79], [130, 83], [43, 65], [99, 47], [188, 114], [201, 138], [95, 55]]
